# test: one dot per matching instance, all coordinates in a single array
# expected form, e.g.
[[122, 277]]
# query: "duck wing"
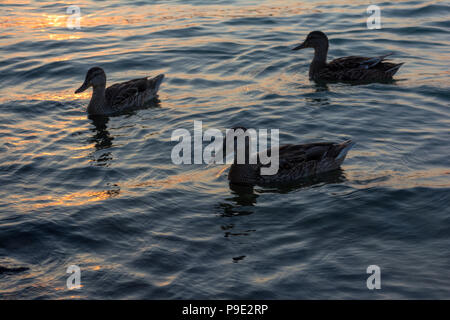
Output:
[[356, 68], [295, 155], [137, 91], [299, 161], [357, 62], [119, 94]]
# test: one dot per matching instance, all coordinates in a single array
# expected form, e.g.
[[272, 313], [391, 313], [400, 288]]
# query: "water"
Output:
[[106, 196]]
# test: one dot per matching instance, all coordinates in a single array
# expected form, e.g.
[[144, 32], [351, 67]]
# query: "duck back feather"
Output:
[[132, 93], [295, 162]]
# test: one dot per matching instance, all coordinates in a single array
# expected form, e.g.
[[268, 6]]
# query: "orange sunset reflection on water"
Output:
[[106, 193], [27, 24]]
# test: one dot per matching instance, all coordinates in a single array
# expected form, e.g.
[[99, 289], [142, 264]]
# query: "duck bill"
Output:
[[300, 46], [83, 87]]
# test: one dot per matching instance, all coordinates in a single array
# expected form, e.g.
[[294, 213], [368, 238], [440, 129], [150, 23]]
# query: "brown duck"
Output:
[[352, 68], [295, 162], [119, 97]]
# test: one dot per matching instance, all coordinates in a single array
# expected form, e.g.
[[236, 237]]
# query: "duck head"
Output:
[[95, 77], [315, 39]]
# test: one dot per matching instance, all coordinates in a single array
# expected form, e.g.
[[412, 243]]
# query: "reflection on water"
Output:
[[245, 197], [332, 177], [102, 140], [104, 194]]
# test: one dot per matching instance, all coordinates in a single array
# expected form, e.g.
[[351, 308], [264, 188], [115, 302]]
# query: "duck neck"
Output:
[[242, 173], [319, 60], [98, 100]]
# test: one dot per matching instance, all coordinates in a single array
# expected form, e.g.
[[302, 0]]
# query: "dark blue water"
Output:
[[107, 197]]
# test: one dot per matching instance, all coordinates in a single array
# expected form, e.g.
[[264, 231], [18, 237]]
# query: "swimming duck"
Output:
[[295, 161], [120, 96], [352, 68]]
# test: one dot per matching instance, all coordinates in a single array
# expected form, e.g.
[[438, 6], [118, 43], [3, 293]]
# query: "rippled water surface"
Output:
[[106, 196]]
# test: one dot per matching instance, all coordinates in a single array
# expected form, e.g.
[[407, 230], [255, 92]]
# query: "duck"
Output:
[[296, 161], [352, 68], [119, 97]]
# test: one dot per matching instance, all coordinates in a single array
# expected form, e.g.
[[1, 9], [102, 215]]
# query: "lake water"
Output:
[[107, 197]]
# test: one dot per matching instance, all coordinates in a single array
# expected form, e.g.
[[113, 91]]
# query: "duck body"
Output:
[[296, 162], [355, 68], [351, 68], [119, 97]]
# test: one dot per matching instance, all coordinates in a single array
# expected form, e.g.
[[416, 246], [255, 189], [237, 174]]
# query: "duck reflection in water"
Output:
[[318, 96], [102, 140], [244, 197]]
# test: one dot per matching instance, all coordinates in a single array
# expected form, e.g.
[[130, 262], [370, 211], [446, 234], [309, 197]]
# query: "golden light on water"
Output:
[[72, 199], [431, 178], [54, 26], [30, 25], [66, 95], [27, 24], [67, 174], [55, 20]]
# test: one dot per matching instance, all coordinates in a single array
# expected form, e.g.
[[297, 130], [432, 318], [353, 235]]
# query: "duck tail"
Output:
[[391, 71], [344, 148], [155, 83]]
